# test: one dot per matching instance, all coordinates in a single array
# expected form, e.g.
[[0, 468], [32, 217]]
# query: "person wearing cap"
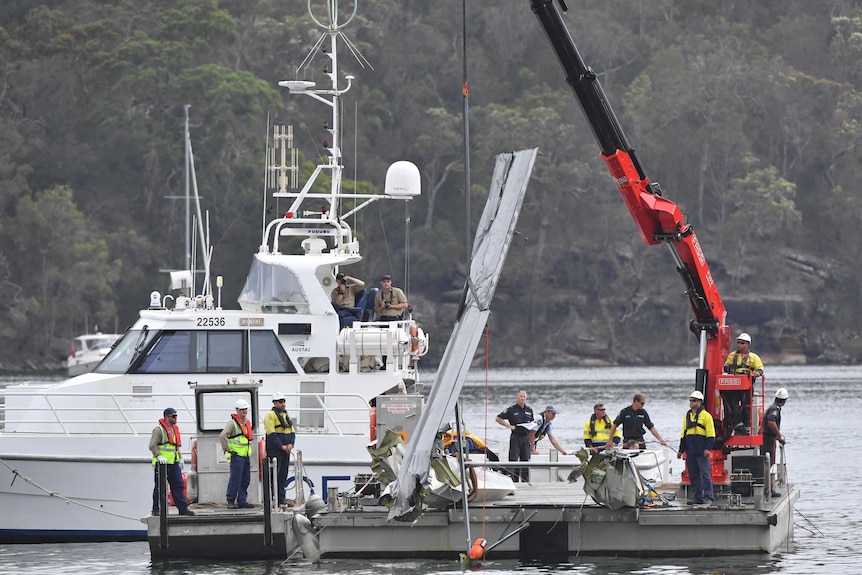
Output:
[[236, 441], [518, 419], [697, 440], [738, 403], [390, 302], [165, 445], [280, 437], [545, 428], [633, 419], [772, 428], [344, 297], [597, 430]]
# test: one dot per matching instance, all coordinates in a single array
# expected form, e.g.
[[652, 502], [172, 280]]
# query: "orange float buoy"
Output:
[[194, 454], [261, 451], [478, 549], [372, 424]]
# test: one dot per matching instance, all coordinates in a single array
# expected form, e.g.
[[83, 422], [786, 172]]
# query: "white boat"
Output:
[[74, 463], [88, 350]]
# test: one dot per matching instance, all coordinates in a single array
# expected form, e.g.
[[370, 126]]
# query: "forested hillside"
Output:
[[749, 114]]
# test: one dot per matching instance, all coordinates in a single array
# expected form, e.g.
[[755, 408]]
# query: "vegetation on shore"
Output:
[[748, 113]]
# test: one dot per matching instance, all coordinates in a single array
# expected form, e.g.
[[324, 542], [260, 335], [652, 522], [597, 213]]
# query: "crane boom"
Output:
[[658, 219]]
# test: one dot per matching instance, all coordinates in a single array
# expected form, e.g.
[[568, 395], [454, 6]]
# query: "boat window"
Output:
[[170, 354], [218, 351], [273, 287], [267, 355], [195, 352], [223, 351], [119, 358], [314, 364]]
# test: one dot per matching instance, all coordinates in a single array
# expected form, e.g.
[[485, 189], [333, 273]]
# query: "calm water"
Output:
[[817, 421]]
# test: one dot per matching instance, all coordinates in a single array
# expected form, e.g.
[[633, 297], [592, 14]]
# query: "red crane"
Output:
[[660, 221]]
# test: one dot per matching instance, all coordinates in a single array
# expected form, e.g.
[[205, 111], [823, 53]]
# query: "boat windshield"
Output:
[[198, 351], [120, 358], [273, 287]]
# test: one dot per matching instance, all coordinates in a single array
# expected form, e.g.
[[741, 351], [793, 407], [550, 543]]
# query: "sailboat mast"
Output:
[[186, 141]]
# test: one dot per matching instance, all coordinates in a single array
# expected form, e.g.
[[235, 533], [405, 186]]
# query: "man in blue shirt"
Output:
[[633, 419]]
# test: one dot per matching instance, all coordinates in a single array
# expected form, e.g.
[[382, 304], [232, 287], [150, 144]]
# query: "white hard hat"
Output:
[[781, 394], [696, 395], [241, 404], [277, 396], [744, 337]]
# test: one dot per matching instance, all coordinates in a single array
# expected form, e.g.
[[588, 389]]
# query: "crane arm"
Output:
[[658, 219]]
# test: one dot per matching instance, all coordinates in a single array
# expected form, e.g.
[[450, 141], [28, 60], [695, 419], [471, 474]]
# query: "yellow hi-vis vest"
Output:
[[240, 442], [169, 447]]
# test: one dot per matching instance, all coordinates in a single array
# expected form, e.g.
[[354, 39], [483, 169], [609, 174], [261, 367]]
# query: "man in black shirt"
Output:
[[633, 419], [772, 428], [518, 419]]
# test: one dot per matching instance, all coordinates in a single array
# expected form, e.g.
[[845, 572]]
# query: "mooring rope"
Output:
[[16, 474]]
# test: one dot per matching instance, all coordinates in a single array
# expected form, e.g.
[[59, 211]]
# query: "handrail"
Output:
[[46, 410]]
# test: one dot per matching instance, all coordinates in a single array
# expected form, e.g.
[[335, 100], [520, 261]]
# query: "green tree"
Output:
[[61, 263], [762, 207]]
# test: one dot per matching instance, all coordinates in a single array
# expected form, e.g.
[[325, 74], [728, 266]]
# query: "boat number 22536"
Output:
[[210, 321]]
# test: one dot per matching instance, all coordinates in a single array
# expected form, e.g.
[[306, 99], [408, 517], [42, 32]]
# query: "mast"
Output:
[[186, 141]]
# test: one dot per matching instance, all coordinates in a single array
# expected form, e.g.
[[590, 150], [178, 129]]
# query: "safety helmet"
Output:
[[241, 404], [696, 395], [744, 337], [278, 396], [781, 394]]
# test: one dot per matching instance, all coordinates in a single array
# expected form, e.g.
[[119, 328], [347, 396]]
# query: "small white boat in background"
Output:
[[88, 350]]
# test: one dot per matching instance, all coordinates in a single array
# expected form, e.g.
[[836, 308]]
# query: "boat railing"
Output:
[[339, 409], [30, 412]]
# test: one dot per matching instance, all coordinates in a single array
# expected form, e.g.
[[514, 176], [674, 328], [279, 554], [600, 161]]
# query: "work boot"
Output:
[[188, 512], [246, 505], [232, 505], [742, 429]]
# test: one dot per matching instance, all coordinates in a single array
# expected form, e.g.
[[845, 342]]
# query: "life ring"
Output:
[[372, 424], [194, 454], [414, 338]]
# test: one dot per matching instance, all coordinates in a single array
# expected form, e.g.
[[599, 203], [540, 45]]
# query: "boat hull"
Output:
[[88, 494]]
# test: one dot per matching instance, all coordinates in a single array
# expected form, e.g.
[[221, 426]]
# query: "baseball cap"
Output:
[[386, 277], [169, 411], [551, 408]]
